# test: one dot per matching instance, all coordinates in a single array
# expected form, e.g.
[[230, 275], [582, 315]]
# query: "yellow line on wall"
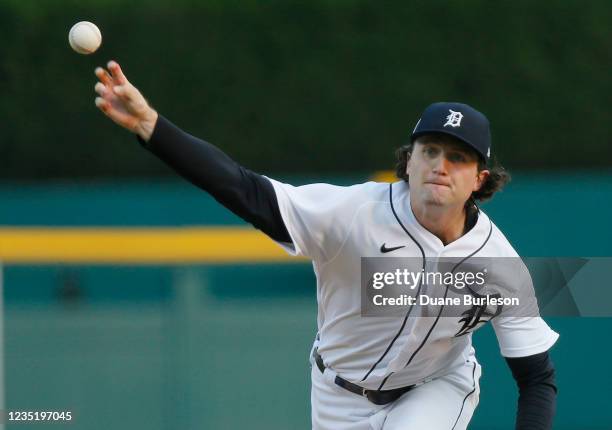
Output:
[[138, 246], [384, 176]]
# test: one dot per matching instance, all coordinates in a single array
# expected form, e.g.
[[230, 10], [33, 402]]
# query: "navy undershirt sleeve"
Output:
[[247, 194], [535, 377]]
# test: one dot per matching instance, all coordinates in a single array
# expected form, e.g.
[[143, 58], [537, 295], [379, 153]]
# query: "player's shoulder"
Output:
[[497, 244], [370, 191], [324, 192]]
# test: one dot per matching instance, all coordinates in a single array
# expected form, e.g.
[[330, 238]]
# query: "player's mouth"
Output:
[[438, 183]]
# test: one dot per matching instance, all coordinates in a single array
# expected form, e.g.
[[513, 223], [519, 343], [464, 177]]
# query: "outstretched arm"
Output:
[[535, 377], [247, 194]]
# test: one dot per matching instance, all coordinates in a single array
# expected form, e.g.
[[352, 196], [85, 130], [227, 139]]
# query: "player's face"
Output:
[[443, 171]]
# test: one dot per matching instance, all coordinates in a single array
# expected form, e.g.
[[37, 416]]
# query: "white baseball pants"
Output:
[[445, 403]]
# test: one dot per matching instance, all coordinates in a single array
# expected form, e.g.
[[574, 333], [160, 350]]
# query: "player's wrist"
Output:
[[147, 125]]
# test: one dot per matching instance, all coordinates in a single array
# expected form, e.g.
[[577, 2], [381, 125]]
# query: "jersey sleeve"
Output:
[[317, 217], [522, 332], [523, 336]]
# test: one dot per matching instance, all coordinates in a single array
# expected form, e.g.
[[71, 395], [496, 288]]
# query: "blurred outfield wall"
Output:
[[226, 346]]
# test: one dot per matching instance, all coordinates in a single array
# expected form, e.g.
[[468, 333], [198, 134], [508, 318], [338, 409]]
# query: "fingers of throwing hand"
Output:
[[100, 89], [117, 73], [101, 104], [120, 91], [125, 92], [104, 76], [116, 115]]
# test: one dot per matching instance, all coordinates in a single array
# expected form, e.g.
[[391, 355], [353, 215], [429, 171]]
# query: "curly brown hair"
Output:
[[498, 176]]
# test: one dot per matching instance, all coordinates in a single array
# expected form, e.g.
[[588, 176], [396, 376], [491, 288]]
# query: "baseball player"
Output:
[[388, 373]]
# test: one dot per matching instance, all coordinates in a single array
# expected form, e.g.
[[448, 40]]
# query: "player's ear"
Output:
[[481, 178]]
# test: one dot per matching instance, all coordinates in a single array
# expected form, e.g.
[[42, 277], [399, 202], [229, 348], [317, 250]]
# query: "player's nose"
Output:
[[440, 164]]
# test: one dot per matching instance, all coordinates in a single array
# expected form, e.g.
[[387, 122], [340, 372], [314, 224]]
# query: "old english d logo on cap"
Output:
[[454, 119]]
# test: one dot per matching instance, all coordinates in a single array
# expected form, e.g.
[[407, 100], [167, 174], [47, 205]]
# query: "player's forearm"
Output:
[[247, 194], [536, 408], [535, 377]]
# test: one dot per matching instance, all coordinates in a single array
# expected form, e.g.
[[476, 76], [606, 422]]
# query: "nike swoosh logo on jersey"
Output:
[[384, 248]]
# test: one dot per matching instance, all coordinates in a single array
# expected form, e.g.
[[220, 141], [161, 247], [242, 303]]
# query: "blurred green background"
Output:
[[325, 91], [317, 86]]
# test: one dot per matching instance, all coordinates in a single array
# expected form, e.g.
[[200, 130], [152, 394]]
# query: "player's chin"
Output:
[[439, 194], [436, 199]]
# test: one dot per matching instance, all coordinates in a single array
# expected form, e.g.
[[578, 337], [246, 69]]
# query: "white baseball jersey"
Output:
[[337, 226]]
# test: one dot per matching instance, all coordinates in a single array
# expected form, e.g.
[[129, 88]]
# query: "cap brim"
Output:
[[420, 133]]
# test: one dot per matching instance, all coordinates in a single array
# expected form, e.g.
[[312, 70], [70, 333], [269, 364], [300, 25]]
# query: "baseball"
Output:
[[84, 37]]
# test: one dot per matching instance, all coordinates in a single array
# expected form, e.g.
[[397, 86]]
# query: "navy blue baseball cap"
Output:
[[458, 120]]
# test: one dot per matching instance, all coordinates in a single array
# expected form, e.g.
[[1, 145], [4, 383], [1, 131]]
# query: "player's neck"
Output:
[[447, 224]]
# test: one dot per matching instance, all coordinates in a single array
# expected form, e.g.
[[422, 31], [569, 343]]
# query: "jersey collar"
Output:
[[471, 240]]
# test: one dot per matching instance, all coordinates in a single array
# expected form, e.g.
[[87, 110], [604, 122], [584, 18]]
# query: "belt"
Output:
[[378, 397]]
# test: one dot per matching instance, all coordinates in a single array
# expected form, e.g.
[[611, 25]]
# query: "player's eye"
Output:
[[431, 151], [456, 157]]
